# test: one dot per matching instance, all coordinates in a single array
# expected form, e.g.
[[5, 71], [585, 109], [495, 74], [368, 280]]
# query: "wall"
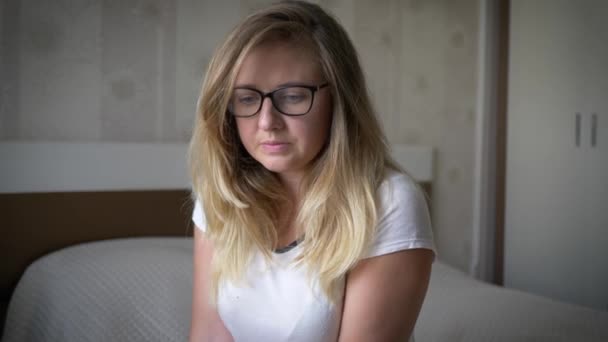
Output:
[[130, 71]]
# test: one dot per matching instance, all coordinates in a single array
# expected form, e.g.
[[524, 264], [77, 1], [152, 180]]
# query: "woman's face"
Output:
[[282, 144]]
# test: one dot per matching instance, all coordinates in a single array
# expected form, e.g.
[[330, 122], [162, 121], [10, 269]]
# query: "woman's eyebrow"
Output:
[[298, 83], [282, 85], [247, 85]]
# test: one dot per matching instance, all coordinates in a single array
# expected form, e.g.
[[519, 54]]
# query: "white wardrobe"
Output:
[[556, 214]]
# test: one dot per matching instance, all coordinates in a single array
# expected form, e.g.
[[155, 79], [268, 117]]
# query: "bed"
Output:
[[88, 264], [138, 289]]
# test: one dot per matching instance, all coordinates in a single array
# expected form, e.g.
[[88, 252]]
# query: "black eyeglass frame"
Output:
[[313, 89]]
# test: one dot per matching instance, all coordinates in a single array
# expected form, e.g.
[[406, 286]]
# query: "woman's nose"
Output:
[[269, 118]]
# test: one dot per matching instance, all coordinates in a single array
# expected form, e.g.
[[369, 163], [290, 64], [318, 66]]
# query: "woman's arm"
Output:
[[206, 325], [384, 295]]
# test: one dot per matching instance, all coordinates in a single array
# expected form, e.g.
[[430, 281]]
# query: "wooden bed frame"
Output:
[[36, 223]]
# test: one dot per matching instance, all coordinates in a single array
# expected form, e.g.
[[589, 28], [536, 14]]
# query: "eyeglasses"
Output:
[[293, 100]]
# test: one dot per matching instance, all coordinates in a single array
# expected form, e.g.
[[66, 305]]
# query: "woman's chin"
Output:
[[281, 168], [276, 168]]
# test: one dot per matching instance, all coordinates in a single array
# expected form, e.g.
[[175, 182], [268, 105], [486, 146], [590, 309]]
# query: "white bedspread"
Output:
[[459, 308], [113, 290], [140, 290]]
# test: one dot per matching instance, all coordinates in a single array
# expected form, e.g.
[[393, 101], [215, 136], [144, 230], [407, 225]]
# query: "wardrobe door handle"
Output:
[[577, 136], [593, 129]]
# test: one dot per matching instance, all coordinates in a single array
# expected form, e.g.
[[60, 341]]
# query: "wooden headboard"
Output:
[[54, 195]]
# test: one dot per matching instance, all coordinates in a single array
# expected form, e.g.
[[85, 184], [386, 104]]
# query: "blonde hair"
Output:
[[240, 198]]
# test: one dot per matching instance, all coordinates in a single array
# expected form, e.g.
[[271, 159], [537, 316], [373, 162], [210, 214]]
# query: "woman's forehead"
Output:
[[275, 62]]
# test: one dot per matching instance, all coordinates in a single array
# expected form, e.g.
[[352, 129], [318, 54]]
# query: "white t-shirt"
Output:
[[280, 305]]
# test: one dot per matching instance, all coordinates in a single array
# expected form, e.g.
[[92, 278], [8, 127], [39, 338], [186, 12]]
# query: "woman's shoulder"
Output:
[[398, 183], [403, 216]]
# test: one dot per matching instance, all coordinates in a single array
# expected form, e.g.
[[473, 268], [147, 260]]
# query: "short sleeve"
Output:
[[403, 217], [198, 216]]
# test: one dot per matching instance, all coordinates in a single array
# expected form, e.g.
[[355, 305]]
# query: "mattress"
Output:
[[140, 290]]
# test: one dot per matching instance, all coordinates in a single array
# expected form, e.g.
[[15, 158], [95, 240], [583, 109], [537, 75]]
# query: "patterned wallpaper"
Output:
[[130, 71]]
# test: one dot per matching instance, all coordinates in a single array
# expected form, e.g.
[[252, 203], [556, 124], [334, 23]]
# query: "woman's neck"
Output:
[[292, 182], [287, 231]]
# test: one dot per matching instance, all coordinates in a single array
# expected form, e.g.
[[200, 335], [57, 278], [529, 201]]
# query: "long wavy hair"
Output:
[[240, 198]]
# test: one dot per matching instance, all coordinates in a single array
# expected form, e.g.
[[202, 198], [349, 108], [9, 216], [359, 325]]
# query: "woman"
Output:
[[306, 230]]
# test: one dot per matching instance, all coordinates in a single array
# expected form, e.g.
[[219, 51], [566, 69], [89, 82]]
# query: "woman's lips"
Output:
[[274, 146]]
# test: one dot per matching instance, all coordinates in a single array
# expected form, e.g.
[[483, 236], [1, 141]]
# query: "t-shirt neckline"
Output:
[[287, 248]]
